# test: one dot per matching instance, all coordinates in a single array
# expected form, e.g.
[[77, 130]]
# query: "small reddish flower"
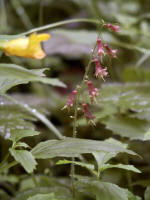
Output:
[[114, 28], [88, 114], [70, 100], [111, 52], [93, 92], [99, 71], [100, 48]]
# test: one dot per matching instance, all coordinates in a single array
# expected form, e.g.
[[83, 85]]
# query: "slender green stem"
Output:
[[76, 112], [34, 179], [37, 114], [4, 160], [61, 23], [128, 174], [9, 165]]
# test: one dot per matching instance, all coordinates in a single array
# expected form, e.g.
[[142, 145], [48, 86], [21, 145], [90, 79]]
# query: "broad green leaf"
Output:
[[116, 142], [86, 165], [147, 135], [74, 147], [127, 127], [12, 75], [103, 157], [131, 196], [62, 193], [25, 158], [12, 117], [147, 193], [103, 190], [49, 196], [18, 134], [120, 166]]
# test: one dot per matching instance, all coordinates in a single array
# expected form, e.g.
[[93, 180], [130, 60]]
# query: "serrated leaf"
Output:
[[18, 134], [49, 196], [25, 158], [132, 128], [12, 75], [120, 166], [103, 190], [73, 147]]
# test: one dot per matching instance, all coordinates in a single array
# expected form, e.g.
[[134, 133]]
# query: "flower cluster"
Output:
[[100, 51]]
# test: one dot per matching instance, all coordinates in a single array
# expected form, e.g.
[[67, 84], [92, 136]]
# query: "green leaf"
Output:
[[22, 144], [147, 135], [103, 157], [86, 165], [61, 193], [25, 158], [74, 147], [103, 190], [12, 75], [49, 196], [127, 127], [147, 193], [120, 166], [12, 117], [17, 134]]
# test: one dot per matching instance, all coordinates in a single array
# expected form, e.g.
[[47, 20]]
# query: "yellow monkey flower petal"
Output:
[[28, 47]]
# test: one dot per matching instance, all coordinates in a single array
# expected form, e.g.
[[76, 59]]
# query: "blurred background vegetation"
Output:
[[123, 107]]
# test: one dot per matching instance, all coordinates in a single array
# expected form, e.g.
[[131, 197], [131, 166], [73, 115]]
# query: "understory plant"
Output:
[[87, 162]]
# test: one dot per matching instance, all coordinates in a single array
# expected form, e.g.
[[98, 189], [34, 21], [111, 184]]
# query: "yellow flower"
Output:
[[27, 47]]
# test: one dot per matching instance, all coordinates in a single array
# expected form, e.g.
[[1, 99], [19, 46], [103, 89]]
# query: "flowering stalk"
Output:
[[79, 90]]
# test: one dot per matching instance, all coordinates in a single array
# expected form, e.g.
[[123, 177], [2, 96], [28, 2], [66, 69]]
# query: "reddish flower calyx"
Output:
[[93, 92], [88, 114], [99, 71], [114, 28], [70, 100], [100, 49], [111, 52]]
